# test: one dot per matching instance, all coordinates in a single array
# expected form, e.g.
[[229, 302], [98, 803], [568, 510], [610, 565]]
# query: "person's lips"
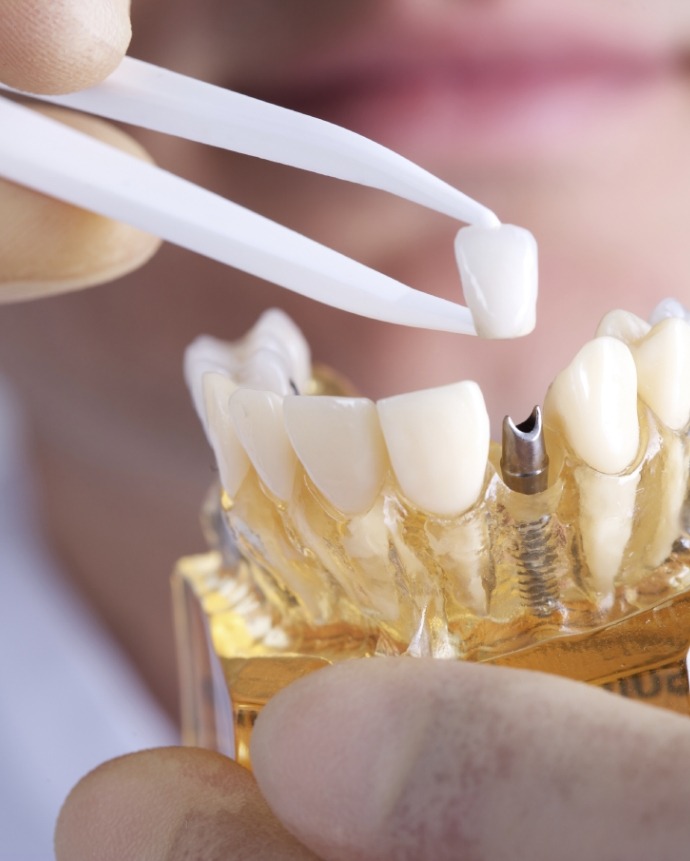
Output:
[[474, 94]]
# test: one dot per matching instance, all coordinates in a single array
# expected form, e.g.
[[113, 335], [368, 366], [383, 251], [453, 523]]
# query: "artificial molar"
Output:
[[340, 444], [499, 273], [438, 444], [594, 402], [257, 417]]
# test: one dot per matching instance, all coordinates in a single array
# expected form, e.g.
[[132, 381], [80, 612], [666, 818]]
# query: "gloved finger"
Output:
[[51, 247], [56, 46], [416, 759], [173, 804]]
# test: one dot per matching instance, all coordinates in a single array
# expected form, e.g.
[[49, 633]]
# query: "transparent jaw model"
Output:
[[563, 567]]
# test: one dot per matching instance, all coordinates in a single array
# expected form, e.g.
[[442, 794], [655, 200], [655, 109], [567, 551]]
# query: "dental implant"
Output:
[[524, 460], [525, 470]]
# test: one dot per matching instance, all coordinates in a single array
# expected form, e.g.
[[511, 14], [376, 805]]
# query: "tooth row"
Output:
[[436, 441]]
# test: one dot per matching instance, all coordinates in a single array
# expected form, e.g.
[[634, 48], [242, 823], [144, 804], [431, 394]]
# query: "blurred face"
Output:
[[571, 119]]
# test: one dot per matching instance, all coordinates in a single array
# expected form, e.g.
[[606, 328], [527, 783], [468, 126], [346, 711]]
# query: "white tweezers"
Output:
[[52, 158]]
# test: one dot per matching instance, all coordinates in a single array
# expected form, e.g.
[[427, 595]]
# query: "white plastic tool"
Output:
[[51, 158]]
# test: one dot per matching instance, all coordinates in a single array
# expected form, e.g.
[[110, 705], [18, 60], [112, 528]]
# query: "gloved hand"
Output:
[[47, 246]]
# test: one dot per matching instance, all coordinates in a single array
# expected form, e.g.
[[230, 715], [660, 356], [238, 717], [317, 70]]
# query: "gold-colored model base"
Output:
[[588, 578], [228, 672]]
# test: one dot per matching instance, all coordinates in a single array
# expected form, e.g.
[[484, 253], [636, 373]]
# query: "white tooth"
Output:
[[624, 325], [663, 371], [265, 369], [276, 331], [340, 444], [595, 401], [673, 485], [231, 458], [213, 351], [607, 507], [499, 273], [669, 308], [258, 420], [206, 354], [438, 443]]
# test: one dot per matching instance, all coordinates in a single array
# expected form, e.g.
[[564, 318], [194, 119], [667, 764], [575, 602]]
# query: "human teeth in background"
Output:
[[669, 308], [438, 443], [624, 325], [662, 358], [499, 273], [231, 457], [340, 445], [257, 417], [594, 400]]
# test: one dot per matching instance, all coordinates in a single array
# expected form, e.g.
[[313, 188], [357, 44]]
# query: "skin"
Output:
[[111, 426], [406, 759]]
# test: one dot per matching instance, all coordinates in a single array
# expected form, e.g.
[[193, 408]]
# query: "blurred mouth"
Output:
[[479, 99]]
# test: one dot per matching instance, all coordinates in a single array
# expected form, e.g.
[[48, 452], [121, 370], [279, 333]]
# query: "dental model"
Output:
[[399, 528]]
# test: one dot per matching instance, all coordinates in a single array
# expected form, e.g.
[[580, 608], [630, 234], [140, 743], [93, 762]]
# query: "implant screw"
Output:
[[525, 470]]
